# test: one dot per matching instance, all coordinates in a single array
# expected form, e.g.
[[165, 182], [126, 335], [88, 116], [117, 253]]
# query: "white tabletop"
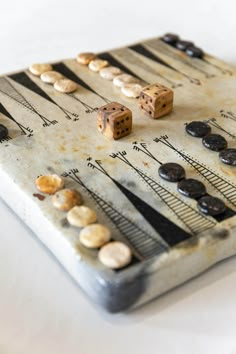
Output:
[[41, 308]]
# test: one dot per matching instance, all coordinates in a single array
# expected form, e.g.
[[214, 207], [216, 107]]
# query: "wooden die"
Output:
[[156, 100], [114, 120]]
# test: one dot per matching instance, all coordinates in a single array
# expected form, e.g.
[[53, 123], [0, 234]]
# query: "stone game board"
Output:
[[51, 132]]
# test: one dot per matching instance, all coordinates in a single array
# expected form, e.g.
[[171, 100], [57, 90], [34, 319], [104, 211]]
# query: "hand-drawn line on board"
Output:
[[24, 130], [144, 51], [224, 187], [127, 55], [164, 48], [8, 89], [213, 122], [148, 54], [170, 232], [142, 147], [64, 70], [23, 79], [228, 115], [193, 220], [142, 243]]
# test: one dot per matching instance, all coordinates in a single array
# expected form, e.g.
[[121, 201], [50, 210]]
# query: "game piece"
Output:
[[194, 52], [215, 142], [198, 129], [3, 132], [228, 156], [49, 184], [114, 120], [156, 100], [124, 79], [39, 69], [170, 38], [183, 45], [66, 199], [94, 236], [171, 172], [211, 206], [191, 188], [81, 216], [65, 86], [50, 77], [85, 58], [132, 90], [110, 72], [115, 255], [97, 64]]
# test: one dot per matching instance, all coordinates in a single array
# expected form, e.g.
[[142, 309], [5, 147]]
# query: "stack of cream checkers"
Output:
[[113, 254]]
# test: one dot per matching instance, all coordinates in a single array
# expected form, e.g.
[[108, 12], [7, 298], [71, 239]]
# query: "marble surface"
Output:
[[41, 309]]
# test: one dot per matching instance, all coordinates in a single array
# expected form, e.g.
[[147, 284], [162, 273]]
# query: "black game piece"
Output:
[[215, 142], [183, 45], [3, 132], [170, 38], [228, 156], [195, 52], [171, 172], [198, 129], [191, 188], [211, 206]]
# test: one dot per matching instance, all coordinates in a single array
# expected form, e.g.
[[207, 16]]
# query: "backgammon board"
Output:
[[51, 132]]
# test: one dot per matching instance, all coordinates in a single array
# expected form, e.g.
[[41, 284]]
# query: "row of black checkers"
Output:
[[186, 46], [214, 142], [192, 188]]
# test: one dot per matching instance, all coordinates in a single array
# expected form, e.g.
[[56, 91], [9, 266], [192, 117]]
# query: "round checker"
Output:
[[170, 38], [115, 255], [198, 129], [94, 236], [191, 188], [228, 156], [214, 142], [171, 172], [211, 206], [183, 45], [66, 199], [195, 52]]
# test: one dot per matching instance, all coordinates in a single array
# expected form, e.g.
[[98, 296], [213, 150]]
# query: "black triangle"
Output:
[[170, 232], [140, 49], [23, 79], [5, 112], [64, 70]]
